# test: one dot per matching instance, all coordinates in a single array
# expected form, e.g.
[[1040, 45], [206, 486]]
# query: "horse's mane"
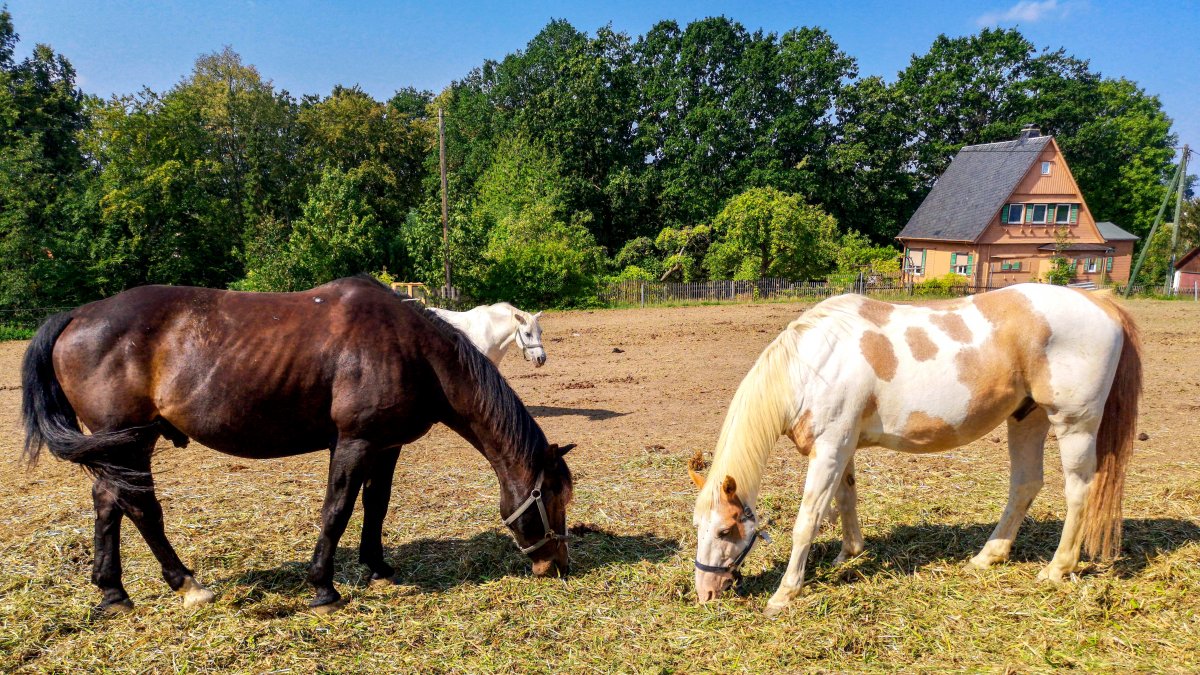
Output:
[[765, 405]]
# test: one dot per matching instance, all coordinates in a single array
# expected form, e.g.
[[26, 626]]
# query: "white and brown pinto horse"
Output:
[[855, 373], [495, 328]]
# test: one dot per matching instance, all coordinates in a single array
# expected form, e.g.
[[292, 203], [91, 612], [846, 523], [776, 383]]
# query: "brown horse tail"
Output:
[[1114, 443], [50, 419]]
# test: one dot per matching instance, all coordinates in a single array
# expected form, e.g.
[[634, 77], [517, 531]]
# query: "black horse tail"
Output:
[[50, 419]]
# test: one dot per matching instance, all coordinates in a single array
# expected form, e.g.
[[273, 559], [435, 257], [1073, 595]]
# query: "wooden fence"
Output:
[[642, 293]]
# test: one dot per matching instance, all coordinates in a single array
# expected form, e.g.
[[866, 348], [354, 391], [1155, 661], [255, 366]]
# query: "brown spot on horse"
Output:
[[876, 312], [919, 344], [877, 350], [953, 325]]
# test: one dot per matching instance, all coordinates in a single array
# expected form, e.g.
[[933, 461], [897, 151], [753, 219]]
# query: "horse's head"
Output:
[[529, 337], [726, 529], [539, 523]]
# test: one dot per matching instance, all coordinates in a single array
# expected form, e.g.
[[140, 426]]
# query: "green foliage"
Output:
[[855, 252], [767, 233], [943, 283], [1062, 269], [338, 235], [694, 151]]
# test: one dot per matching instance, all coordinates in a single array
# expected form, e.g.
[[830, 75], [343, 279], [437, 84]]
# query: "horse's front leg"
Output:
[[826, 466], [346, 473]]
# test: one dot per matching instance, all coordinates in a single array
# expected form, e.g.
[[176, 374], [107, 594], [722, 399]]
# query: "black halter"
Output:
[[732, 568], [535, 497]]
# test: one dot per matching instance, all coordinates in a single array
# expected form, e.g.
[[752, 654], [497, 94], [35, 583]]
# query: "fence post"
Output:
[[643, 294]]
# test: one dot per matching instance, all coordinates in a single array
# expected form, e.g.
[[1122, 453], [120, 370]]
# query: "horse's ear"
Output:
[[537, 315], [564, 449], [520, 318], [695, 465], [729, 488]]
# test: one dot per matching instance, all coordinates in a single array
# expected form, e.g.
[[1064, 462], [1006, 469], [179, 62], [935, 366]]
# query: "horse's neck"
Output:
[[762, 410], [487, 412]]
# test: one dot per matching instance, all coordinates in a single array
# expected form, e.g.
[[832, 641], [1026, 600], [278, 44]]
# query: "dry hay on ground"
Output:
[[468, 604]]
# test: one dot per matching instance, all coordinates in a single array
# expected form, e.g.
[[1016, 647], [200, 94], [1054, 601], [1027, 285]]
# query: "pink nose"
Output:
[[710, 586]]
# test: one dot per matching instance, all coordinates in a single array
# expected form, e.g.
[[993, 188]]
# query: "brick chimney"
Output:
[[1030, 131]]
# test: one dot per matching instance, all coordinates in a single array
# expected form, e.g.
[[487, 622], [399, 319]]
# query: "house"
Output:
[[995, 216], [1187, 272]]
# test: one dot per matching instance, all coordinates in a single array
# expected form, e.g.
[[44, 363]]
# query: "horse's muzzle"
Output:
[[710, 586]]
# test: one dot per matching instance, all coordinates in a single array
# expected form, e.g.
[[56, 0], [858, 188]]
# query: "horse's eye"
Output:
[[725, 532]]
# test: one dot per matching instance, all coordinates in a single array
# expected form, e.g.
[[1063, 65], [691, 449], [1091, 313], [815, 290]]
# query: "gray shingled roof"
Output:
[[1111, 232], [971, 191]]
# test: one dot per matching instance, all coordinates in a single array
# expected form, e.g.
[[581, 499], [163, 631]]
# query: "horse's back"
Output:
[[947, 372], [236, 370]]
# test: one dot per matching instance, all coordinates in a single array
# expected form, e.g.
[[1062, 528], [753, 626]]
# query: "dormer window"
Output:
[[1046, 168], [1039, 213]]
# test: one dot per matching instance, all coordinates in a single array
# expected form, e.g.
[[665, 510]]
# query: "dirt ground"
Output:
[[639, 391]]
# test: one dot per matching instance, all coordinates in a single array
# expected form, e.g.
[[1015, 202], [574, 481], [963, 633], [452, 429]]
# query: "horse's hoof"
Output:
[[383, 582], [774, 611], [983, 562], [1053, 575], [328, 608], [109, 609], [194, 593]]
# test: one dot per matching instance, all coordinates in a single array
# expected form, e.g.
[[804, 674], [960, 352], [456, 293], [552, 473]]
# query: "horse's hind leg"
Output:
[[847, 503], [347, 463], [1078, 449], [377, 491], [106, 568], [1026, 450], [143, 508]]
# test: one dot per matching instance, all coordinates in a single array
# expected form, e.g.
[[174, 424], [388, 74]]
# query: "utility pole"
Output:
[[445, 208], [1176, 179], [1178, 217]]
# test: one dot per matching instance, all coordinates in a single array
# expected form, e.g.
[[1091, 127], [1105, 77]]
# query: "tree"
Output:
[[41, 112], [337, 235], [767, 233]]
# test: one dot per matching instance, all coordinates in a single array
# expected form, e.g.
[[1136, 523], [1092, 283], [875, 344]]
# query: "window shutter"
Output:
[[1004, 214], [970, 264], [923, 252], [1016, 265], [1029, 213], [953, 261], [1108, 265], [1003, 265], [1074, 213]]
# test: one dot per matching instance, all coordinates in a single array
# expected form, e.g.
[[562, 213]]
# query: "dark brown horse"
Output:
[[347, 366]]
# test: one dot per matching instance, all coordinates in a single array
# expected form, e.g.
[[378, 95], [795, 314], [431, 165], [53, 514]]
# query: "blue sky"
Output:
[[119, 46]]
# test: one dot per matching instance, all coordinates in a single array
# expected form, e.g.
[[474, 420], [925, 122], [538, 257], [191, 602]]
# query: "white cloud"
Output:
[[1026, 11]]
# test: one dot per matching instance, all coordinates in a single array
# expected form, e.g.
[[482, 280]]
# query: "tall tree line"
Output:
[[690, 152]]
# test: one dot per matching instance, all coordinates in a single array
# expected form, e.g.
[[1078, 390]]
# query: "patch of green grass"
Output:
[[9, 331]]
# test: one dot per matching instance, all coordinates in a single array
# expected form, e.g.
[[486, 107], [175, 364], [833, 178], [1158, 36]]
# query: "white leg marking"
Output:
[[194, 593]]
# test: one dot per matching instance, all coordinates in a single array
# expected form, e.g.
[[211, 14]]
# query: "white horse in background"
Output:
[[495, 328], [854, 373]]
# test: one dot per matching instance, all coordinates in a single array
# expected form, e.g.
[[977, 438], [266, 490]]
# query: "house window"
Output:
[[1062, 214], [1092, 265], [1010, 266], [1016, 213], [1039, 213], [1046, 168], [962, 263], [916, 261]]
